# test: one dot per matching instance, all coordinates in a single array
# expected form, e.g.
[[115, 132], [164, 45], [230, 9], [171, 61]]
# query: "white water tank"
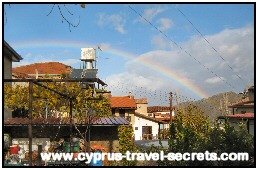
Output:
[[88, 54]]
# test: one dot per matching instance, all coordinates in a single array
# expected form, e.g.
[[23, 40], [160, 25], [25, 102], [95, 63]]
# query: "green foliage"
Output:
[[193, 132], [126, 143], [229, 139], [18, 97]]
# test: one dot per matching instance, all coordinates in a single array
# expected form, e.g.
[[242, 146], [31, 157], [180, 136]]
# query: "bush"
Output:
[[193, 132]]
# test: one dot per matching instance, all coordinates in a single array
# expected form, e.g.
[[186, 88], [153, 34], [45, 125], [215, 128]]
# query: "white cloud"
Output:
[[21, 63], [159, 42], [28, 55], [215, 80], [114, 20], [70, 62], [165, 24], [235, 46], [42, 59], [150, 13], [105, 46]]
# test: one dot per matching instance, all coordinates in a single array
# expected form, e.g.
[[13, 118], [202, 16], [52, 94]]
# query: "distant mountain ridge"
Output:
[[216, 105]]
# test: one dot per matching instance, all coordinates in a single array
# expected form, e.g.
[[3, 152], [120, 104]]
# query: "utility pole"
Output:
[[171, 95]]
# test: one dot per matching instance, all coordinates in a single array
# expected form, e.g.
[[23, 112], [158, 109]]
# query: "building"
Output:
[[145, 127], [142, 105], [246, 105], [135, 111], [242, 111], [10, 55], [123, 106], [162, 113], [45, 70], [103, 133]]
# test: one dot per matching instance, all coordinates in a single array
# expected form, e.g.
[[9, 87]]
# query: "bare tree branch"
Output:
[[51, 10], [68, 10], [63, 17]]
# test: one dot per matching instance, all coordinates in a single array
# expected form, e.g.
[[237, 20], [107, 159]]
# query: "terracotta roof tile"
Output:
[[44, 68], [123, 102], [152, 109], [246, 115], [240, 116], [242, 104]]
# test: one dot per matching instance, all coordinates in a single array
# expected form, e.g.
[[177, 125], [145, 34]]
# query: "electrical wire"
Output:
[[207, 40], [180, 47]]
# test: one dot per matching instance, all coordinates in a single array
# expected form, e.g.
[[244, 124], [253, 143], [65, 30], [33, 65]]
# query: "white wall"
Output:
[[24, 142], [139, 122]]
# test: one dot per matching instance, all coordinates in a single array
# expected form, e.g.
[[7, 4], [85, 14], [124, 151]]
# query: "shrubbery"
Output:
[[193, 132]]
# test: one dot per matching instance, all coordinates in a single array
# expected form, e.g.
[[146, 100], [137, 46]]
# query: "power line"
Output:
[[180, 47], [207, 41]]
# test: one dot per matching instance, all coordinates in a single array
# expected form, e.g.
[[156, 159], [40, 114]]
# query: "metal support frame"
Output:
[[36, 81], [30, 122], [88, 80]]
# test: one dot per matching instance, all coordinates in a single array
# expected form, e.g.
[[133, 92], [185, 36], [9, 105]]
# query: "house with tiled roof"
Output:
[[242, 111], [162, 113], [46, 69], [135, 111], [245, 105], [145, 127], [123, 106]]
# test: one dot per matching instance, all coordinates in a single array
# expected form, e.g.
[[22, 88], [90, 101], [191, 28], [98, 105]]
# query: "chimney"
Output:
[[130, 94]]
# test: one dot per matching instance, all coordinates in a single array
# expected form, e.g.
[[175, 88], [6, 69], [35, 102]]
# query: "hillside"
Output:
[[216, 105]]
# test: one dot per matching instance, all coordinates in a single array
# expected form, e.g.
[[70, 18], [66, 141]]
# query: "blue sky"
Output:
[[126, 39]]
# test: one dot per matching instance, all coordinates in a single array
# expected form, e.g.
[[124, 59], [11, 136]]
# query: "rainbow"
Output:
[[143, 60]]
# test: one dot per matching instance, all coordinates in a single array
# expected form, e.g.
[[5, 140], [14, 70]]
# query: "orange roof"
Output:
[[44, 68], [123, 102], [240, 116], [152, 109], [242, 104]]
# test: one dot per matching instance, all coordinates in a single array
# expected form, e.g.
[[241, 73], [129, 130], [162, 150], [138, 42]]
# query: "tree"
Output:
[[18, 97], [193, 132], [126, 143]]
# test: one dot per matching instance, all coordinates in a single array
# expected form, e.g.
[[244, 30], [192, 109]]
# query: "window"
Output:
[[121, 112], [136, 128], [113, 111]]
